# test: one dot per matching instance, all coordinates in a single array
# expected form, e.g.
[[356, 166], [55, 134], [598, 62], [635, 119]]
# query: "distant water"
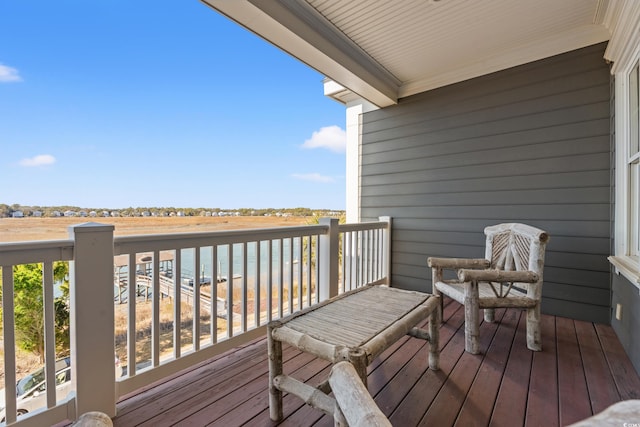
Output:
[[188, 266]]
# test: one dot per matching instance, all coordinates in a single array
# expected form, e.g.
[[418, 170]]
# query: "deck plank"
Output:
[[542, 406], [448, 402], [572, 384], [511, 401], [624, 374], [477, 408], [600, 384], [582, 366], [412, 408], [250, 393]]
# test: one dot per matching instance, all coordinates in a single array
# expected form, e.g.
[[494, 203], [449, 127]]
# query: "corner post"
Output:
[[386, 249], [328, 262], [92, 317]]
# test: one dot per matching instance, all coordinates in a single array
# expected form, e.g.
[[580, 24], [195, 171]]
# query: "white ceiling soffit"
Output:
[[385, 50]]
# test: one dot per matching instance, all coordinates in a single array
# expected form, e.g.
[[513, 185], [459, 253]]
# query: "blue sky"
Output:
[[114, 103]]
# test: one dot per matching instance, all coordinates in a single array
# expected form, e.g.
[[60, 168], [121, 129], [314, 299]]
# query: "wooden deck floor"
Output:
[[581, 370]]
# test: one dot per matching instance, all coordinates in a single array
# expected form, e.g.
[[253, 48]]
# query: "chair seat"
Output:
[[487, 298]]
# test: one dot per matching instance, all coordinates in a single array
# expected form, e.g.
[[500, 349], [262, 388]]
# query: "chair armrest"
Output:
[[466, 275], [456, 263]]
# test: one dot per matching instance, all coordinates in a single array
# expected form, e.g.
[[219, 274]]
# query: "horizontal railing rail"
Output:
[[153, 294]]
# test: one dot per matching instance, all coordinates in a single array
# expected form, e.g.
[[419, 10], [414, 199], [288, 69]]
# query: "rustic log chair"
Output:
[[509, 276]]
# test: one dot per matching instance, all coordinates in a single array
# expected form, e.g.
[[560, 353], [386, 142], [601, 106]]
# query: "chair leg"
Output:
[[440, 295], [471, 319], [534, 335]]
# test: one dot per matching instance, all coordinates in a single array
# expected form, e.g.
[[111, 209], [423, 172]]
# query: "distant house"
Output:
[[69, 213], [56, 214], [82, 213], [37, 214], [105, 214], [18, 214], [93, 214]]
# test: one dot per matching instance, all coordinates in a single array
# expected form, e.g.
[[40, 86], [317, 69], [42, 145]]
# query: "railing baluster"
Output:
[[358, 238], [155, 299], [245, 283], [280, 278], [308, 265], [230, 291], [132, 288], [9, 341], [290, 278], [195, 323], [370, 256], [319, 260], [257, 284], [354, 259], [299, 267], [177, 304], [343, 263], [269, 280], [214, 294], [49, 332]]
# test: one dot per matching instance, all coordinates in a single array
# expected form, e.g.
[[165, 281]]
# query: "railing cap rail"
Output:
[[125, 244], [36, 251]]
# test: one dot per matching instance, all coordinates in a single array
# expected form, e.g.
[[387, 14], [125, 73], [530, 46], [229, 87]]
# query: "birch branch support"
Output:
[[354, 399]]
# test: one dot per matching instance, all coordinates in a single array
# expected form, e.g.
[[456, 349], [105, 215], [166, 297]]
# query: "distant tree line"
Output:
[[8, 211]]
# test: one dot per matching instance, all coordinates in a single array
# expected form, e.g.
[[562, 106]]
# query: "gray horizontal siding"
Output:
[[626, 294], [530, 144]]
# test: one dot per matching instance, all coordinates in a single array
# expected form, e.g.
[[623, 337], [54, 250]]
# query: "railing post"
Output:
[[92, 317], [386, 249], [328, 259]]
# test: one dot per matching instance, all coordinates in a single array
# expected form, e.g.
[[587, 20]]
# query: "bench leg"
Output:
[[275, 369], [358, 359]]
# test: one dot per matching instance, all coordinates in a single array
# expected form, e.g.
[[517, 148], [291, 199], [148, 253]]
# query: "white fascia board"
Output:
[[623, 20], [550, 46], [373, 86]]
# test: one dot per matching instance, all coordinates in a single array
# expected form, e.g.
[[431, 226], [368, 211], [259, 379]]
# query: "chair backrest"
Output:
[[519, 247]]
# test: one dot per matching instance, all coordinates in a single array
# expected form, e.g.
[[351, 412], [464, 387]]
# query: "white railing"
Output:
[[365, 253], [254, 276]]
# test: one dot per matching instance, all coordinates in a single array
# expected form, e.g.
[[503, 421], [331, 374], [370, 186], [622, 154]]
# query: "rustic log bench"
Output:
[[356, 327]]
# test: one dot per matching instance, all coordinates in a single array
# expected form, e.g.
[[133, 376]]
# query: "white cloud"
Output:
[[9, 74], [39, 160], [330, 137], [315, 177]]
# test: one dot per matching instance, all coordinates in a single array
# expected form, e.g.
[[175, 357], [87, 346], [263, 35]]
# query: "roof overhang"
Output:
[[383, 51]]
